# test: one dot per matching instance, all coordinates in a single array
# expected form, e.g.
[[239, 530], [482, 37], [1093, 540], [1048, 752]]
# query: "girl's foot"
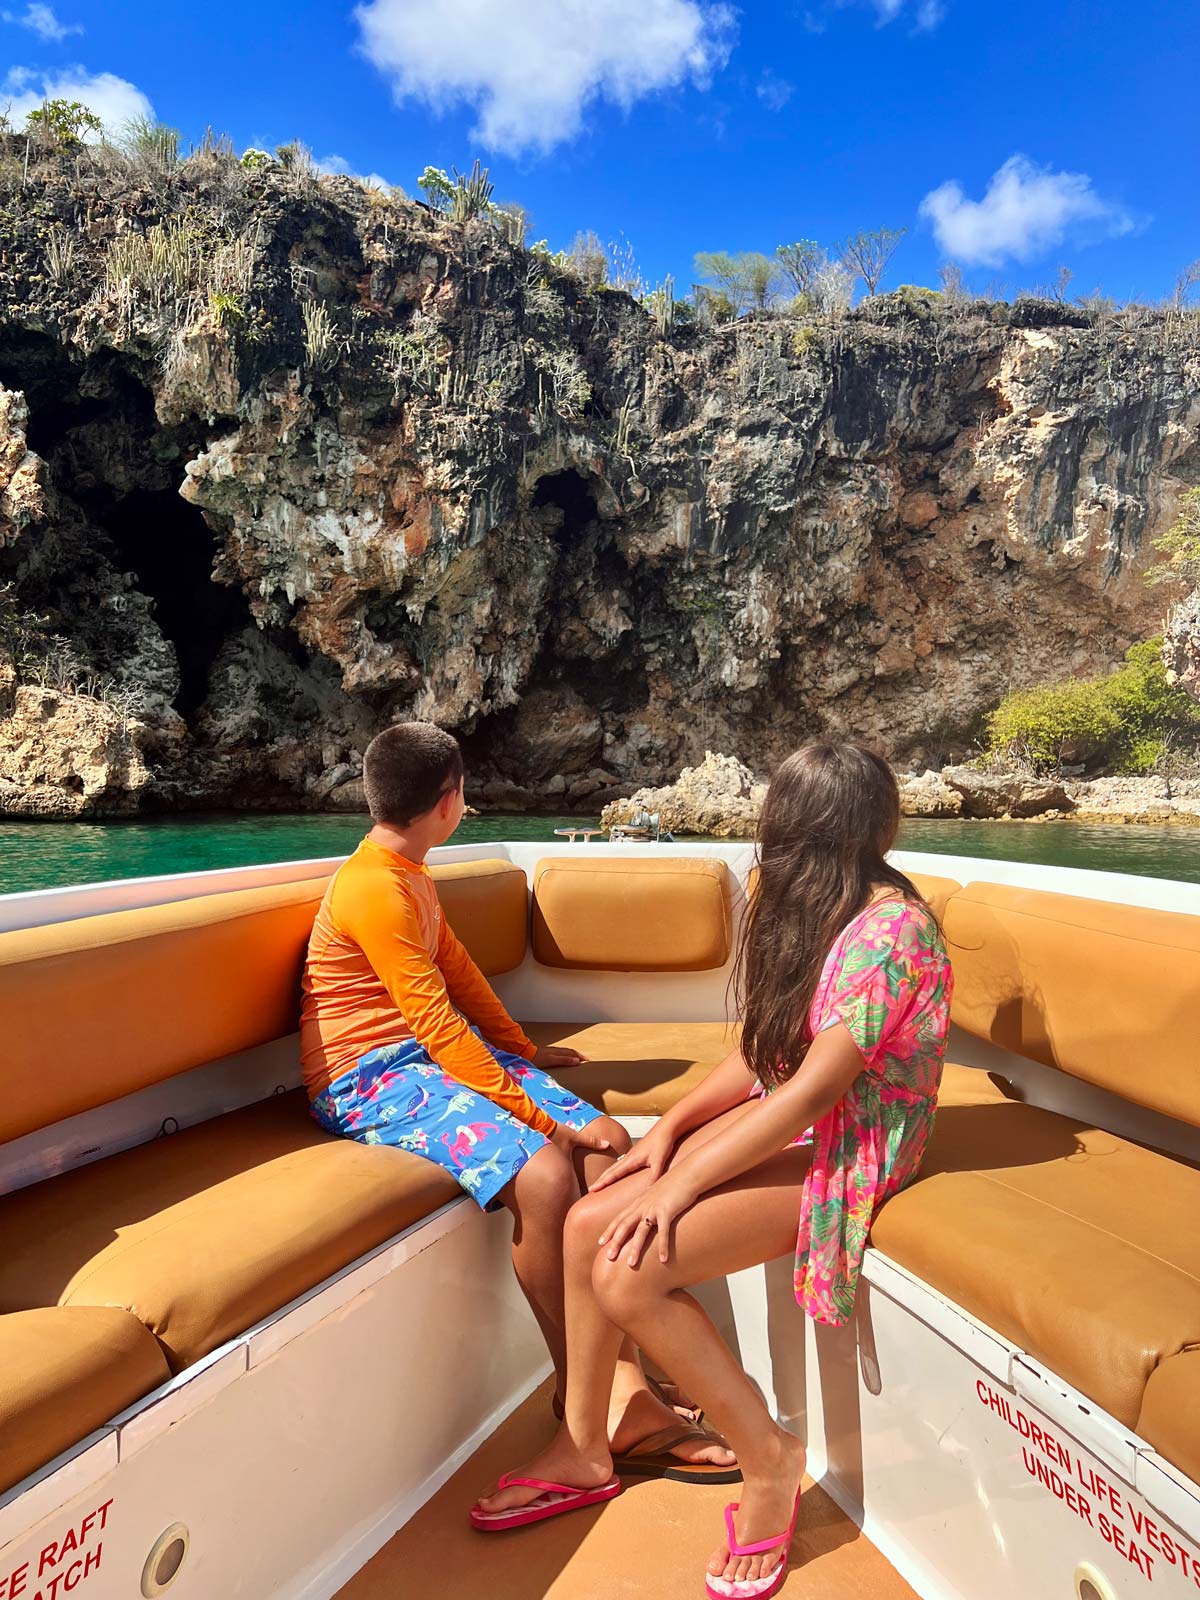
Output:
[[560, 1462], [640, 1415], [768, 1497]]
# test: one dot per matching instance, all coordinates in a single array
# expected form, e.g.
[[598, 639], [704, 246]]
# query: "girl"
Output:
[[822, 1113]]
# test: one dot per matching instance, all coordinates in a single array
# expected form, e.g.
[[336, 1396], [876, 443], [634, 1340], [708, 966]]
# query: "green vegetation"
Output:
[[158, 267], [800, 263], [1180, 545], [151, 143], [587, 259], [748, 280], [63, 122], [322, 347], [1126, 722], [435, 185]]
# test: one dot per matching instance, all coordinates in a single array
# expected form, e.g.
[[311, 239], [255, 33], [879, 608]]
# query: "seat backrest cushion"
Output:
[[632, 914], [936, 891], [1107, 993], [487, 905], [99, 1007]]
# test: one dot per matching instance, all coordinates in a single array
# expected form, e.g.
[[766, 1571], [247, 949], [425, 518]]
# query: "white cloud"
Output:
[[340, 167], [774, 91], [1025, 211], [43, 22], [925, 14], [113, 99], [531, 69]]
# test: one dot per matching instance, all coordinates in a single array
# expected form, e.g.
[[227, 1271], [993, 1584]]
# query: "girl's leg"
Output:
[[597, 1406], [750, 1220]]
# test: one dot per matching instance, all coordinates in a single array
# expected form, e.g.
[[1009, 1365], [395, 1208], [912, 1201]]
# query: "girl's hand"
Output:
[[554, 1057], [655, 1212], [652, 1154]]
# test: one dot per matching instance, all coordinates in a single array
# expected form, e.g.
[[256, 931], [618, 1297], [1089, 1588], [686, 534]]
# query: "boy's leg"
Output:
[[539, 1197]]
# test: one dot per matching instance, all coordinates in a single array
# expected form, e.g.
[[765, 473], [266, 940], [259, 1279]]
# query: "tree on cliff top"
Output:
[[868, 254], [751, 280]]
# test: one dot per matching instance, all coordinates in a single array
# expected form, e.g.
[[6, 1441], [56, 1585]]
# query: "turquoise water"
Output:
[[46, 855]]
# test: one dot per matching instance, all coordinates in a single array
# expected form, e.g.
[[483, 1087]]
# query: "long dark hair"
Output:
[[829, 819]]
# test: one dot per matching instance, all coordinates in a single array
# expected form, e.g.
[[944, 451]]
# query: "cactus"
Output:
[[471, 195]]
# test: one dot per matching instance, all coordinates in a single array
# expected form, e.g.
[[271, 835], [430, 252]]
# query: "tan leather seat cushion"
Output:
[[96, 1008], [487, 905], [637, 1069], [65, 1372], [1107, 993], [642, 1069], [203, 1233], [632, 913], [1073, 1243], [1170, 1418]]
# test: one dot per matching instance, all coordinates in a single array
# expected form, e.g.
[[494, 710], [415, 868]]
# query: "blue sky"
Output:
[[1010, 138]]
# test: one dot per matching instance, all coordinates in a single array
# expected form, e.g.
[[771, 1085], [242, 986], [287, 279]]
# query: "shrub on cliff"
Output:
[[1123, 722], [64, 123], [1180, 545]]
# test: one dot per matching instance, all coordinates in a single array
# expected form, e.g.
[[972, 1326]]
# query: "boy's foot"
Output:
[[641, 1415], [768, 1497], [560, 1462]]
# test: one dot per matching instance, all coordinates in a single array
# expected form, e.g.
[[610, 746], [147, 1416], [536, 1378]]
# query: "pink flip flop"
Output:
[[555, 1500], [753, 1588]]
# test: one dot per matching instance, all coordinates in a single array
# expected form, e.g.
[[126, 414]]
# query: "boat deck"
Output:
[[650, 1543]]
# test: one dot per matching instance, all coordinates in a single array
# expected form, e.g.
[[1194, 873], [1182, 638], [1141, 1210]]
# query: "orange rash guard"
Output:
[[384, 967]]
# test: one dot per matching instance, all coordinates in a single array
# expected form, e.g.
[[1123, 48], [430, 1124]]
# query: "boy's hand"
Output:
[[568, 1139], [554, 1057]]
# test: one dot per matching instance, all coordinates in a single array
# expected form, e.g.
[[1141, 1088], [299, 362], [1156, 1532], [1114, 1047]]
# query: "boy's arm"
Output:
[[385, 926], [474, 996]]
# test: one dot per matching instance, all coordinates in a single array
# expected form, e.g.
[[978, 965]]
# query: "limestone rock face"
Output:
[[929, 795], [986, 794], [68, 755], [591, 548], [1181, 644], [720, 797]]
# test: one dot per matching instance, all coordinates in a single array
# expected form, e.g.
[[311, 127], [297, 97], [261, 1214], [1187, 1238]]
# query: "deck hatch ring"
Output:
[[165, 1559], [1091, 1584]]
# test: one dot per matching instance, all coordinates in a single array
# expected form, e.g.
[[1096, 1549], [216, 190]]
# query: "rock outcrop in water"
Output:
[[720, 797], [283, 459]]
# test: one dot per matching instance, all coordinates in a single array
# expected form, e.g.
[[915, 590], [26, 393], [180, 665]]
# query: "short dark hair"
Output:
[[407, 769]]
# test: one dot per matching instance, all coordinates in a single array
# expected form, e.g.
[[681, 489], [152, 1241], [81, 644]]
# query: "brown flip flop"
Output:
[[652, 1458], [669, 1394]]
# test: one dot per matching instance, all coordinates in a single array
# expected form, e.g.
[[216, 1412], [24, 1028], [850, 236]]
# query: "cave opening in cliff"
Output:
[[169, 549], [569, 491]]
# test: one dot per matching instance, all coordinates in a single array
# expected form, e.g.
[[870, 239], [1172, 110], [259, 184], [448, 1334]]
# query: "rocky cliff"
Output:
[[283, 458]]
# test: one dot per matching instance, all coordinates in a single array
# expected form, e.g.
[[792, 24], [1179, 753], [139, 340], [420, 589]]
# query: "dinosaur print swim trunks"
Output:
[[398, 1095]]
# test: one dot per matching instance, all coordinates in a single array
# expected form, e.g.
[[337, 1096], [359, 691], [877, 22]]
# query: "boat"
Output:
[[241, 1358]]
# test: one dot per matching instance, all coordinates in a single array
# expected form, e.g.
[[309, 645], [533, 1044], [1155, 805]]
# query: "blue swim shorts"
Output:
[[398, 1095]]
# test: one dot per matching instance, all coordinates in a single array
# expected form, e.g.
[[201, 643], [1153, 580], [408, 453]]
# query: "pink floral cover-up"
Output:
[[888, 980]]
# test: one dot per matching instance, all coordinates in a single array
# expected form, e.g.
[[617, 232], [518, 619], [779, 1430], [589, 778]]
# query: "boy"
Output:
[[403, 1042]]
